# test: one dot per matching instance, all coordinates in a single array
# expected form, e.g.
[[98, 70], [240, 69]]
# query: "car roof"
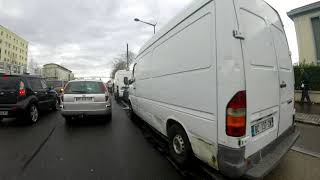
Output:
[[23, 76]]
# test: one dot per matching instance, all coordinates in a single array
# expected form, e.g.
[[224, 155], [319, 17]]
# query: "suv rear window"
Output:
[[85, 87], [9, 83]]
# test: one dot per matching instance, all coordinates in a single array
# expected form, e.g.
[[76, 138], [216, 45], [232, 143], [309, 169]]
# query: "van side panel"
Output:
[[183, 82]]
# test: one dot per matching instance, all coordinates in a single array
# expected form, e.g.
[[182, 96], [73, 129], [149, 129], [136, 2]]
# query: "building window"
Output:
[[316, 31]]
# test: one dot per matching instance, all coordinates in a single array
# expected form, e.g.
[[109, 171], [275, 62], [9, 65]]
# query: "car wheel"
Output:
[[179, 145], [33, 113], [56, 105]]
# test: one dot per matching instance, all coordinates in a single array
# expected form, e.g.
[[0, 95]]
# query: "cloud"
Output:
[[86, 35]]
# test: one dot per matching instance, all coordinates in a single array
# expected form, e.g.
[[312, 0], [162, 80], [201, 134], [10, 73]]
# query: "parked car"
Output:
[[85, 98], [24, 96], [119, 86], [217, 81]]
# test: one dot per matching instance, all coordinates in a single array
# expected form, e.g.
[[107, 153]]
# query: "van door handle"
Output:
[[283, 85]]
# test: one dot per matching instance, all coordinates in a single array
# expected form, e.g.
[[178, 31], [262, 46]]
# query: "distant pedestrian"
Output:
[[305, 81]]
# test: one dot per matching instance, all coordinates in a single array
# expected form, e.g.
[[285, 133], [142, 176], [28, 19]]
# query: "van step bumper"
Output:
[[271, 155]]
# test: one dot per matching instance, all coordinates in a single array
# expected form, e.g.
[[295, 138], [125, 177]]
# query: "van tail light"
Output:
[[236, 115], [22, 90]]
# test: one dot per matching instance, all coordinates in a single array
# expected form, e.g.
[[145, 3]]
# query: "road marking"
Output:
[[305, 151], [38, 149]]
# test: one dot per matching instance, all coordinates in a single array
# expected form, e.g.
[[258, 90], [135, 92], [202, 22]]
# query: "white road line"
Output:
[[305, 151]]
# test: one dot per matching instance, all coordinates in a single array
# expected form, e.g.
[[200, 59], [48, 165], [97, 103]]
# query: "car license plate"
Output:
[[261, 126], [4, 113], [83, 99]]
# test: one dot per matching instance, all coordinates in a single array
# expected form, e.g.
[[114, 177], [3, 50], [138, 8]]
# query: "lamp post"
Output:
[[154, 25]]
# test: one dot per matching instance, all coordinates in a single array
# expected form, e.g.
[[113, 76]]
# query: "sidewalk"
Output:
[[309, 114]]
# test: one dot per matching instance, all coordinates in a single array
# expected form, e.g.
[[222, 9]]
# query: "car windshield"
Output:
[[9, 83], [84, 87]]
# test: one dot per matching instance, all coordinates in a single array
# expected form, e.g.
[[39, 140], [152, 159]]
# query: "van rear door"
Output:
[[267, 67], [286, 76]]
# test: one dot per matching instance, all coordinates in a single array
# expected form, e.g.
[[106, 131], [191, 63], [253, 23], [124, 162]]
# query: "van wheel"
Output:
[[33, 114], [179, 145]]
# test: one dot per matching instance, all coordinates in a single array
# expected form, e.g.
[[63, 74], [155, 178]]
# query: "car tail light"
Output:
[[22, 91], [236, 115]]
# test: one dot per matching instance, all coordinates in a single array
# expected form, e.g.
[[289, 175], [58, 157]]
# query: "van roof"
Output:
[[189, 10], [174, 22]]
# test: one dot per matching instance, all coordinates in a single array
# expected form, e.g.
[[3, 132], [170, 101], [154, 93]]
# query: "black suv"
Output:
[[23, 96]]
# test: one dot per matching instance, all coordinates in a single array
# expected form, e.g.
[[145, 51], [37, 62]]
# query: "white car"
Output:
[[85, 98], [218, 82]]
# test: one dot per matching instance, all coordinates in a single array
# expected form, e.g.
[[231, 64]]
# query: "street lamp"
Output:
[[154, 25]]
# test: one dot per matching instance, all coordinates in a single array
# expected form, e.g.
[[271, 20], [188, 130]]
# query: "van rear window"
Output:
[[84, 87], [9, 83]]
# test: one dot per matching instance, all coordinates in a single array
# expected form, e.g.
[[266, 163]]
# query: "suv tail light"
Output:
[[22, 91], [236, 115]]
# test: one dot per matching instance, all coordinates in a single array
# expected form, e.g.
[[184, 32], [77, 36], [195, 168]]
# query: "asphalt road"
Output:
[[86, 150], [116, 150]]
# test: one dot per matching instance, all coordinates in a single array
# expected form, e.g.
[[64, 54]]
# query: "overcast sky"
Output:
[[85, 35]]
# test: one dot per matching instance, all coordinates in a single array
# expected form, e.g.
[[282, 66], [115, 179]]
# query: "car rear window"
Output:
[[85, 87], [9, 83]]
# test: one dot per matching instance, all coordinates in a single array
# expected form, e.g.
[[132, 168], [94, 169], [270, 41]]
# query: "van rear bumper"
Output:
[[233, 164], [269, 157]]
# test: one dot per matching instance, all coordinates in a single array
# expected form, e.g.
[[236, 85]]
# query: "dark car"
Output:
[[23, 96]]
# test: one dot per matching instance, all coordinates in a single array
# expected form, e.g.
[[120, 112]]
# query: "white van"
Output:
[[241, 119], [119, 86]]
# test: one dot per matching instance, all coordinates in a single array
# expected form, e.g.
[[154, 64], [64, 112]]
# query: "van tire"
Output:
[[179, 145]]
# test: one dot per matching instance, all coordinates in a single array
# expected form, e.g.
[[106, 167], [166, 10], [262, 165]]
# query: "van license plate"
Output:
[[4, 113], [261, 126]]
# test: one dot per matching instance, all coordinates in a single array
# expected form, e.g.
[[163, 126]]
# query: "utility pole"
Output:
[[127, 56]]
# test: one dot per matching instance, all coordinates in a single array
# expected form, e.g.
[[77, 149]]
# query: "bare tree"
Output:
[[120, 63]]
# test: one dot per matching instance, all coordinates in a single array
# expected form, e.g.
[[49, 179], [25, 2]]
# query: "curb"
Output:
[[312, 119], [303, 121]]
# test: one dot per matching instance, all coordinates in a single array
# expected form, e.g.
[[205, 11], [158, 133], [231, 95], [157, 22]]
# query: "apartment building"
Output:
[[56, 72], [13, 52], [307, 24]]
